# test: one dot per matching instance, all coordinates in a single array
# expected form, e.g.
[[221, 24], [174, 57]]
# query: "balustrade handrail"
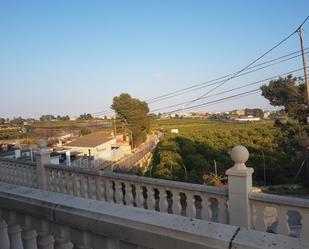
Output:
[[145, 180], [132, 227], [280, 200], [18, 161]]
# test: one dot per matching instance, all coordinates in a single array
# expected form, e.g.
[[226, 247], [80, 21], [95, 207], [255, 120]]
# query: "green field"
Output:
[[202, 143]]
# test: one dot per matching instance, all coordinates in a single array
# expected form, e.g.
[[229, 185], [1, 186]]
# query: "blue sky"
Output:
[[71, 57]]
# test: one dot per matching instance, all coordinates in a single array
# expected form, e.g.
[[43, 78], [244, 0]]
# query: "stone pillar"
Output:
[[42, 158], [4, 236], [239, 187]]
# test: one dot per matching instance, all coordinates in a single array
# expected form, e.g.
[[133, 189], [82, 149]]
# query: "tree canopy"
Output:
[[288, 92], [133, 114], [85, 116]]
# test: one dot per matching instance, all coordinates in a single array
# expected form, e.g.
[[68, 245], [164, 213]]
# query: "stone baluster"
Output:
[[92, 188], [29, 180], [24, 180], [305, 224], [57, 181], [64, 244], [29, 235], [258, 216], [19, 176], [15, 236], [26, 177], [283, 227], [14, 231], [65, 177], [4, 236], [76, 185], [14, 178], [128, 196], [151, 201], [139, 198], [176, 204], [163, 204], [112, 244], [206, 212], [85, 241], [239, 187], [118, 192], [109, 191], [222, 216], [191, 208], [62, 182], [84, 186], [29, 239], [69, 181], [45, 241], [4, 173], [49, 179], [8, 178], [10, 174], [100, 189], [63, 241], [13, 175]]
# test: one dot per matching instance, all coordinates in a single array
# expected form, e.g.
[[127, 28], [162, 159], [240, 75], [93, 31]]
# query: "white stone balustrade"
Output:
[[280, 214], [18, 172], [236, 205], [140, 192], [61, 221]]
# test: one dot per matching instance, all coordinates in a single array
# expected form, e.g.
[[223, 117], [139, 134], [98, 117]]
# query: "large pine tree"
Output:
[[133, 114]]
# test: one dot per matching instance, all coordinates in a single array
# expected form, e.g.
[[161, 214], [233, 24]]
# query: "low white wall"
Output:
[[93, 224]]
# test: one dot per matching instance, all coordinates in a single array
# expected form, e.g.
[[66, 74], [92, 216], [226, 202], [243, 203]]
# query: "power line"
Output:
[[215, 81], [253, 62], [218, 82], [243, 94], [171, 94], [230, 90], [242, 70]]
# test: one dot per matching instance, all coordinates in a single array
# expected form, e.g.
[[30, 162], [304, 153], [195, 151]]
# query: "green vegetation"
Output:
[[200, 144], [84, 131], [85, 116], [133, 116], [9, 133], [290, 93]]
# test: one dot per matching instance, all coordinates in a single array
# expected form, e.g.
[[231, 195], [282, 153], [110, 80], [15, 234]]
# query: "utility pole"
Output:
[[115, 129], [301, 36]]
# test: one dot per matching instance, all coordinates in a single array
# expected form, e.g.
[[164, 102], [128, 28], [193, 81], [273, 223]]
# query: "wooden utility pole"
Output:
[[301, 35], [115, 129]]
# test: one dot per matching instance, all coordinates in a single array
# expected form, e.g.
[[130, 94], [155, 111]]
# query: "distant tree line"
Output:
[[49, 117], [85, 116]]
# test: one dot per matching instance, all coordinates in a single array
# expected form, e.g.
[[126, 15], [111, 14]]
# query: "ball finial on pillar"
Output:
[[240, 156]]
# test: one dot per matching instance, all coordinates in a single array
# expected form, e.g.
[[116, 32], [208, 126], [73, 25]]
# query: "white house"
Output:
[[99, 145]]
